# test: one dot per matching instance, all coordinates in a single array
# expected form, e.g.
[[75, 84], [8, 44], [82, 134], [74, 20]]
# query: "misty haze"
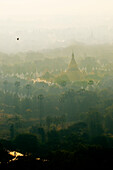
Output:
[[56, 84], [54, 31]]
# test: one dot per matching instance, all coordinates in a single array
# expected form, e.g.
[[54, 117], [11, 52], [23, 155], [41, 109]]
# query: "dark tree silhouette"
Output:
[[5, 83], [41, 110], [28, 87], [17, 85]]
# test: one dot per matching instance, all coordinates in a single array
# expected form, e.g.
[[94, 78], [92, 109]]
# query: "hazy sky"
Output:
[[34, 8], [91, 20]]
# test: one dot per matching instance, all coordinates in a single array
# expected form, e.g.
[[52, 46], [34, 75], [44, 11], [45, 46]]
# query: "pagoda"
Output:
[[73, 73]]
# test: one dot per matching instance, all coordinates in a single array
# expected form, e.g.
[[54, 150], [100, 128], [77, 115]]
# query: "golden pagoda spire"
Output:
[[73, 65]]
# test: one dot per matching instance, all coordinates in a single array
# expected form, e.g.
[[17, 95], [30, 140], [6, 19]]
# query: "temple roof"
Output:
[[73, 65], [73, 71]]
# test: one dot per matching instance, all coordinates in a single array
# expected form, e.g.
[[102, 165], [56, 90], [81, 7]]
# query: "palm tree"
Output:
[[17, 85], [5, 85], [28, 87], [48, 122], [61, 102], [40, 98], [69, 95]]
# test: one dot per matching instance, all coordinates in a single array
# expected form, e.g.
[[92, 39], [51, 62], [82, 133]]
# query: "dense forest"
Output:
[[59, 124]]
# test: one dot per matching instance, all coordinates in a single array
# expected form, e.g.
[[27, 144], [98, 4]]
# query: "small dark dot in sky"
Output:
[[17, 38]]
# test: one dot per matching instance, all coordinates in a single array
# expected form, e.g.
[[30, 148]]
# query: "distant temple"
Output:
[[73, 73], [73, 65]]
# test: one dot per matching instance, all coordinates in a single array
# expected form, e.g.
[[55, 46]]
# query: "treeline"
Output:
[[59, 110], [67, 127], [66, 102], [73, 147], [31, 65]]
